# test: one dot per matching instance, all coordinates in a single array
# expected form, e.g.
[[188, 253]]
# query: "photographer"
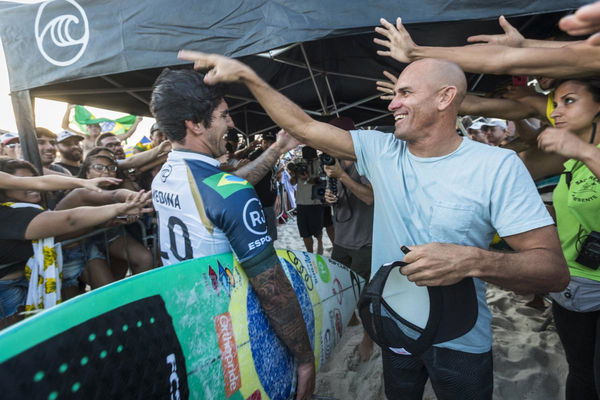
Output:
[[305, 173]]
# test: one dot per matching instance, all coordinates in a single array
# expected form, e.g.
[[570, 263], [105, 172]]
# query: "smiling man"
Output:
[[442, 196], [71, 152], [204, 211]]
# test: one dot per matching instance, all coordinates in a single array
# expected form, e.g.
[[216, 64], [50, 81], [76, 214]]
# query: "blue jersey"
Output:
[[204, 211]]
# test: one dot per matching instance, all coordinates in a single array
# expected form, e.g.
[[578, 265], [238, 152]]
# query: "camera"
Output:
[[298, 167], [327, 160], [589, 255]]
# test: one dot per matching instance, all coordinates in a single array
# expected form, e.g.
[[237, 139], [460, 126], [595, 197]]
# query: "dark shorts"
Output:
[[358, 260], [310, 220], [327, 220], [455, 375]]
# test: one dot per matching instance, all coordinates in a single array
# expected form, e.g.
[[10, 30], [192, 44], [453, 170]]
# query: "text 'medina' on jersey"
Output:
[[204, 211]]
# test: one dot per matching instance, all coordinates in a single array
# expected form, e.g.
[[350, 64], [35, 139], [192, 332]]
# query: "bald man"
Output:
[[442, 196]]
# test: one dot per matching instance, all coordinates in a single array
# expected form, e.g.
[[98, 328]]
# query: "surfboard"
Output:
[[191, 330]]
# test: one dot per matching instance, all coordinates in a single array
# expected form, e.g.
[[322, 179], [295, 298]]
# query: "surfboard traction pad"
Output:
[[84, 360], [133, 351]]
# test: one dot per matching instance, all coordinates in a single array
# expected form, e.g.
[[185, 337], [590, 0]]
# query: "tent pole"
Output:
[[134, 95], [312, 76], [24, 115], [335, 109], [358, 102]]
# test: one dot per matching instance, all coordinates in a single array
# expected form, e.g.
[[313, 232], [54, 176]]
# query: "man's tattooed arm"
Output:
[[279, 301], [255, 170]]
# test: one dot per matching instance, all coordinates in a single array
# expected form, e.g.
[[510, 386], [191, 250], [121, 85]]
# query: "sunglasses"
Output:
[[12, 145], [102, 167]]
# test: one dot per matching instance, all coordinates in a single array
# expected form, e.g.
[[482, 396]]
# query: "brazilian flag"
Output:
[[117, 126]]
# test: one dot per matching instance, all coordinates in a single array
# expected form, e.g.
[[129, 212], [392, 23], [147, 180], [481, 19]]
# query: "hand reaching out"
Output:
[[220, 68], [562, 142], [511, 36], [387, 87], [95, 183], [135, 204], [399, 43]]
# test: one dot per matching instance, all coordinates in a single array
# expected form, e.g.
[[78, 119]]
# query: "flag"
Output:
[[143, 145], [83, 117]]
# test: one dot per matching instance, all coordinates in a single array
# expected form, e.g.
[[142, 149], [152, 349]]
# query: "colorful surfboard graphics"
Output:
[[192, 330]]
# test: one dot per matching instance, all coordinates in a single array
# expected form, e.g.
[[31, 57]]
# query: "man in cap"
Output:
[[475, 131], [71, 152], [434, 195], [495, 131], [10, 145]]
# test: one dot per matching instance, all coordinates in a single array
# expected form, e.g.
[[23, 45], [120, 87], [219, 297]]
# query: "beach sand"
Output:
[[529, 362]]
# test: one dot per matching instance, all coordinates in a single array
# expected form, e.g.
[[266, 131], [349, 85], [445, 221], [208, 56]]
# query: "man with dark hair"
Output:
[[111, 141], [71, 153], [205, 211], [46, 140]]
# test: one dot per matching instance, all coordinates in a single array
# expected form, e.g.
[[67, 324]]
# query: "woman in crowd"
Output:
[[576, 202], [23, 220], [123, 250]]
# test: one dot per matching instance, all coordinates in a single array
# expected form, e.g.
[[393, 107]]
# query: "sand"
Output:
[[529, 361]]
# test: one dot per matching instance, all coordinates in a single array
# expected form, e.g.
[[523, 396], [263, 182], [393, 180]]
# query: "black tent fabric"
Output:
[[108, 53]]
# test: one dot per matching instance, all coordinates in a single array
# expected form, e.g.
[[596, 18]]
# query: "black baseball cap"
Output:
[[452, 312]]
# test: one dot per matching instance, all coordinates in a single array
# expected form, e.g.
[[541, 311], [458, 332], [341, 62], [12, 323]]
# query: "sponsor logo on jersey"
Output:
[[166, 199], [254, 217], [259, 242], [229, 356], [226, 184], [165, 172]]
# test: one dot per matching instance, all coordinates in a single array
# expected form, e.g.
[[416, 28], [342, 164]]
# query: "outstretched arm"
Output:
[[255, 170], [65, 121], [124, 136], [513, 38], [55, 223], [282, 110], [578, 59], [46, 183]]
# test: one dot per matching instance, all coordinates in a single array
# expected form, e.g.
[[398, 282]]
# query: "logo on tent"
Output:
[[55, 28]]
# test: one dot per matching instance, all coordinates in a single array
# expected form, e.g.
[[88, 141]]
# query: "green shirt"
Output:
[[577, 209]]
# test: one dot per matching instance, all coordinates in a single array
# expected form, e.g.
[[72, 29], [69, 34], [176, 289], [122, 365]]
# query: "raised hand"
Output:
[[399, 43], [563, 142], [511, 36], [585, 21], [136, 203], [286, 142], [387, 87], [220, 68]]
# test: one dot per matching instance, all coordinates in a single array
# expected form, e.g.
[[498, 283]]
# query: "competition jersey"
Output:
[[204, 211]]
